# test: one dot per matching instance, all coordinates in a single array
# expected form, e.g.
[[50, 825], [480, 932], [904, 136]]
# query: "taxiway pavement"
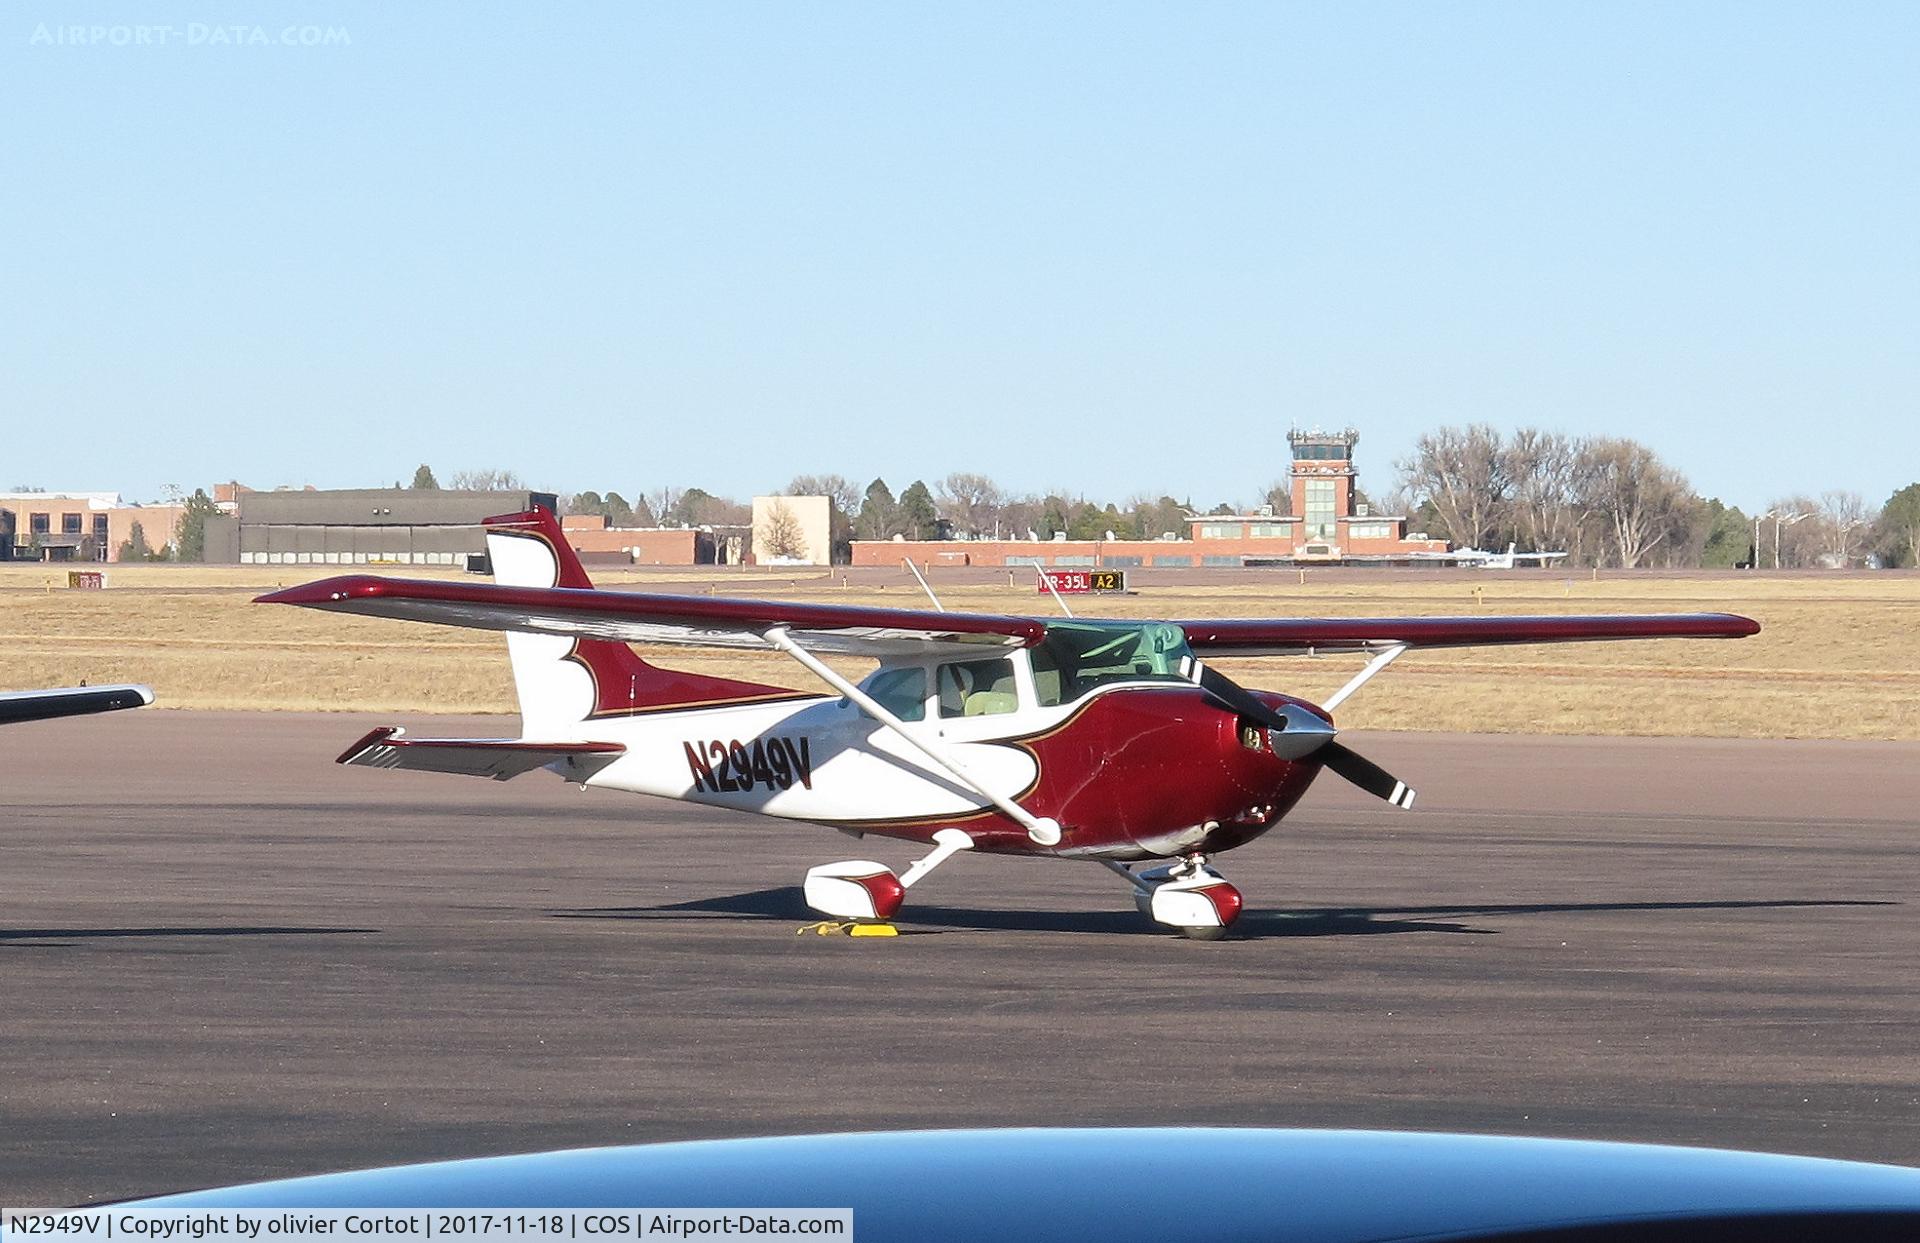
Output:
[[224, 958]]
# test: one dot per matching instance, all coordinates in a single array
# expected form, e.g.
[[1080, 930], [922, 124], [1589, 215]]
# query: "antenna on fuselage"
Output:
[[918, 577]]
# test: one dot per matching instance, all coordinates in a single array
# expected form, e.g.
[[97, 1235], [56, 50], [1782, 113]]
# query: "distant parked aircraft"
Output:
[[1481, 559], [18, 706]]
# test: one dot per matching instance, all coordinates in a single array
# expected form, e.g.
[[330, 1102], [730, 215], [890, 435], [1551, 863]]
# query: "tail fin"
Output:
[[562, 682]]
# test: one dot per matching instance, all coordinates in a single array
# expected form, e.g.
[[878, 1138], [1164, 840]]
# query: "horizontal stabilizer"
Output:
[[70, 701], [499, 758]]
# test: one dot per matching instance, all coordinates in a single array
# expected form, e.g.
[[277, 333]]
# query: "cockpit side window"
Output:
[[978, 688], [1077, 657], [901, 691]]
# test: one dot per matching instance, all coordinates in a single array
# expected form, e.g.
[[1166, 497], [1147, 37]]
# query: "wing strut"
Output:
[[1386, 657], [920, 578], [1043, 830], [1046, 580]]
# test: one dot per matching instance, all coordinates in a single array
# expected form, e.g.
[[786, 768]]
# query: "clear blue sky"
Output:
[[1101, 248]]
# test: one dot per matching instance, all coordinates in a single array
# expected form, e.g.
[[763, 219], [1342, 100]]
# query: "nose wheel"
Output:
[[1187, 896]]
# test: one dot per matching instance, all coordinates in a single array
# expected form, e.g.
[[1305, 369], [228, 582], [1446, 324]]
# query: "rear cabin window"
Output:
[[978, 688], [1077, 657], [902, 692]]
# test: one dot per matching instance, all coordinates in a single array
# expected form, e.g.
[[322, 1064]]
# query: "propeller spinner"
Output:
[[1296, 733]]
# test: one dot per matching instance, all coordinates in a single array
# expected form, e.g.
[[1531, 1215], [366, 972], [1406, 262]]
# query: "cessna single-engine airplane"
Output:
[[1108, 741], [70, 701], [1481, 559]]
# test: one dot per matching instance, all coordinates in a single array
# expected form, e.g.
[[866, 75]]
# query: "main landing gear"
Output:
[[861, 897], [867, 895], [1188, 896]]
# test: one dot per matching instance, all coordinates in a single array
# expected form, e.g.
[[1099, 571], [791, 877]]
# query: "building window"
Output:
[[1175, 560], [1233, 561], [1220, 530], [39, 524], [1370, 530], [1320, 508], [1269, 530], [70, 524]]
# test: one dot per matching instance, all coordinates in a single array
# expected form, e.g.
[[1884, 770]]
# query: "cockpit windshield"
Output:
[[1077, 656]]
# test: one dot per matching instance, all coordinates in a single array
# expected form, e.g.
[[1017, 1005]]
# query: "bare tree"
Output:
[[1643, 501], [783, 535], [1550, 474], [843, 492], [1845, 525], [970, 502], [1020, 514], [1463, 473], [486, 481]]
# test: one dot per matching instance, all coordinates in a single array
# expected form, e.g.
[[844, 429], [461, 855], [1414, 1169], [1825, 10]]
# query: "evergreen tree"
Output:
[[136, 548], [1087, 523], [690, 510], [918, 519], [879, 513], [1728, 538], [642, 515], [423, 479], [190, 540], [1899, 527], [1053, 517], [619, 513]]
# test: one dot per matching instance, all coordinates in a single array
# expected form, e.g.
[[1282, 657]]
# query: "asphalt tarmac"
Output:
[[223, 958]]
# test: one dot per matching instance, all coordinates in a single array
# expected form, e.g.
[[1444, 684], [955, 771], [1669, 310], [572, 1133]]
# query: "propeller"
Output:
[[1368, 775], [1296, 733]]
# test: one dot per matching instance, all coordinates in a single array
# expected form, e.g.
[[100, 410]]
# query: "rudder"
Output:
[[563, 682]]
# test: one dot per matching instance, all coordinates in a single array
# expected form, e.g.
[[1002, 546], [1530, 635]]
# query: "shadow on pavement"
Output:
[[785, 903]]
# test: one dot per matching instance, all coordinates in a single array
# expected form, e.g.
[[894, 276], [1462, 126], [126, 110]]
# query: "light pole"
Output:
[[1757, 520], [1784, 519]]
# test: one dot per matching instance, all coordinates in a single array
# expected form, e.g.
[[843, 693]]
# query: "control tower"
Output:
[[1323, 478]]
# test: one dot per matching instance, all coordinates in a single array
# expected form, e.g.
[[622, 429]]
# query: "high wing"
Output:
[[632, 617], [707, 621], [1297, 636], [70, 701]]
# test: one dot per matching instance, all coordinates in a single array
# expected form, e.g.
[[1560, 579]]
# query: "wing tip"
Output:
[[324, 591], [379, 736]]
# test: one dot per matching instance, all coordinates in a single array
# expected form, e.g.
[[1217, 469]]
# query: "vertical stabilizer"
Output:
[[564, 682]]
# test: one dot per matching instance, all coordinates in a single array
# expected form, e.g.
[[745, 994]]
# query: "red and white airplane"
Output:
[[1107, 741]]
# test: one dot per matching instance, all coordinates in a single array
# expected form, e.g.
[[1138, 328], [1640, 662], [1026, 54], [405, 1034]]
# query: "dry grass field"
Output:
[[1839, 656]]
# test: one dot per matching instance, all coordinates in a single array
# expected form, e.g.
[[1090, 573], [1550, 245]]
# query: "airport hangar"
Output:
[[407, 526]]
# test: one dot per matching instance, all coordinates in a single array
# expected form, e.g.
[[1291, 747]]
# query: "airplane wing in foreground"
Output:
[[70, 701], [634, 617], [1299, 636], [708, 621]]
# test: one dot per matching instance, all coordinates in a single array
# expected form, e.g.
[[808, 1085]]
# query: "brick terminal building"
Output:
[[78, 526], [1328, 526]]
